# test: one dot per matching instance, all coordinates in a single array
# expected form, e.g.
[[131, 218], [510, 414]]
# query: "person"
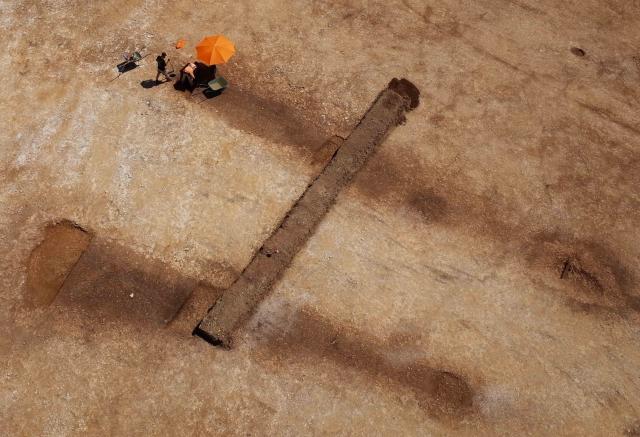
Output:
[[187, 77], [190, 70], [162, 67]]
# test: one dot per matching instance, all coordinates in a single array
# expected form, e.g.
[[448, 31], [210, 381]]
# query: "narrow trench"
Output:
[[237, 304]]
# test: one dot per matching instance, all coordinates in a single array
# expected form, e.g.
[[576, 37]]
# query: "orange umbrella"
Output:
[[215, 49]]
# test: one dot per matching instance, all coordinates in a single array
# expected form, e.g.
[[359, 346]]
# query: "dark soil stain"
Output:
[[632, 430], [578, 52], [273, 121], [311, 336], [593, 278], [111, 284], [589, 274], [406, 89], [431, 206], [610, 116], [636, 60], [527, 7], [398, 179], [437, 119]]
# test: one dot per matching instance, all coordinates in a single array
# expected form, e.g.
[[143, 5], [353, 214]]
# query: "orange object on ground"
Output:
[[215, 49], [181, 43]]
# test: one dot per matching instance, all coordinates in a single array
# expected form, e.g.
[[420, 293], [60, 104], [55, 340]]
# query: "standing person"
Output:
[[162, 67]]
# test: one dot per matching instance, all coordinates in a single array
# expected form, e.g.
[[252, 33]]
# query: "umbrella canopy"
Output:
[[215, 49]]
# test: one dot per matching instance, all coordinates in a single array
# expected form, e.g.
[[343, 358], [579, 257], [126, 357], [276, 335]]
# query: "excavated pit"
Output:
[[52, 260]]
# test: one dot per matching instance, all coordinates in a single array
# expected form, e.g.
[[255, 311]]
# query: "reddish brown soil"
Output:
[[50, 262]]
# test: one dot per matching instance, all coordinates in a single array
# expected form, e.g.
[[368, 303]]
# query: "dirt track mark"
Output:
[[636, 60], [311, 336], [277, 253], [607, 115], [53, 259], [527, 7]]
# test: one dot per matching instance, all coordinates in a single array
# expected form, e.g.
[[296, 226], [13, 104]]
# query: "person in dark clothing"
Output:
[[187, 78], [194, 74], [162, 67]]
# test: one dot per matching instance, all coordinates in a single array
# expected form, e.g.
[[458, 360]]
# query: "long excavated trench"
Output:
[[238, 302]]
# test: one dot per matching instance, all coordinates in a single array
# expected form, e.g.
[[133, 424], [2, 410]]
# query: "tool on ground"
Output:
[[130, 62]]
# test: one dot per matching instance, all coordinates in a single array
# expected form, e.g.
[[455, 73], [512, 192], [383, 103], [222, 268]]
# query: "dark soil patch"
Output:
[[595, 280], [429, 205], [636, 60], [437, 119], [590, 274], [111, 284], [578, 52], [51, 262], [407, 90], [310, 336], [397, 179], [273, 121]]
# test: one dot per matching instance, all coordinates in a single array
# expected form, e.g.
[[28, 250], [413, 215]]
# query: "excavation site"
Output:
[[320, 218]]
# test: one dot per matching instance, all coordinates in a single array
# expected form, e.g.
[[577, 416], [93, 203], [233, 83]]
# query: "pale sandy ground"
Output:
[[446, 252]]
